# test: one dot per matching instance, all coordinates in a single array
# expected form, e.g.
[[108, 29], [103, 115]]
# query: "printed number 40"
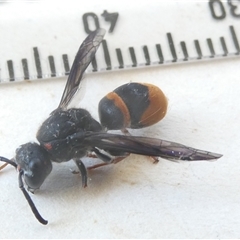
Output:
[[91, 18]]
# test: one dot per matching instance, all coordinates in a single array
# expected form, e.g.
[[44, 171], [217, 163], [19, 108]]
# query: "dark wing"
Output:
[[146, 146], [83, 58]]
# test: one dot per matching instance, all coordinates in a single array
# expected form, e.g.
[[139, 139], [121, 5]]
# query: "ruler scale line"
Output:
[[235, 40], [94, 64], [146, 55], [198, 48], [210, 45], [66, 64], [24, 65], [25, 69], [172, 47], [52, 66], [106, 55], [224, 46], [120, 58], [184, 49], [133, 56], [37, 62], [160, 54], [11, 70]]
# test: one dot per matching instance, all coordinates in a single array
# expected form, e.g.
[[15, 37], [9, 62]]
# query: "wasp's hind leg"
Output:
[[116, 160], [108, 159]]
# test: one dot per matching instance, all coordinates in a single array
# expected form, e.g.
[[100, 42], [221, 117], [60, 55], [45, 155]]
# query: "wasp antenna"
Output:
[[30, 202], [7, 161]]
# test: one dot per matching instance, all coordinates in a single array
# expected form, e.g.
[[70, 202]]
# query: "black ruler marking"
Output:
[[224, 46], [94, 65], [172, 47], [66, 64], [146, 55], [184, 49], [26, 73], [25, 69], [210, 45], [133, 56], [199, 51], [37, 62], [52, 66], [106, 55], [120, 58], [11, 70], [160, 54], [235, 40]]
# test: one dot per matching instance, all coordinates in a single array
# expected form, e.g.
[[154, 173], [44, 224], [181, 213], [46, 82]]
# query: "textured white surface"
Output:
[[133, 199]]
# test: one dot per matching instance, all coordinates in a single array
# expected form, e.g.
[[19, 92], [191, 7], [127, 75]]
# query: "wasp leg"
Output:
[[114, 161], [104, 157], [107, 159], [97, 166], [90, 155], [82, 170], [3, 166]]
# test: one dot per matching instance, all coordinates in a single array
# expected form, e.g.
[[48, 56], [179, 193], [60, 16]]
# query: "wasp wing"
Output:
[[83, 58], [146, 146]]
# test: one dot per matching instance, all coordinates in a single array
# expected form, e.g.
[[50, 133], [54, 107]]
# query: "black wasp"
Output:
[[70, 134]]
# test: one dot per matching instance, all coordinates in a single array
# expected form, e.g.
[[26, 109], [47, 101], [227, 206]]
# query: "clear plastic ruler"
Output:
[[39, 39]]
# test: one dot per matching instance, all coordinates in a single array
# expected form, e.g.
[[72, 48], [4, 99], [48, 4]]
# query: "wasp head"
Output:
[[35, 163]]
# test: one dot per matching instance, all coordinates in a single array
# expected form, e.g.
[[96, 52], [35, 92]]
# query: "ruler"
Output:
[[41, 44]]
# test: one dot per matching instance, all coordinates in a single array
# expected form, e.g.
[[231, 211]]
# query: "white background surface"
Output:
[[133, 198]]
